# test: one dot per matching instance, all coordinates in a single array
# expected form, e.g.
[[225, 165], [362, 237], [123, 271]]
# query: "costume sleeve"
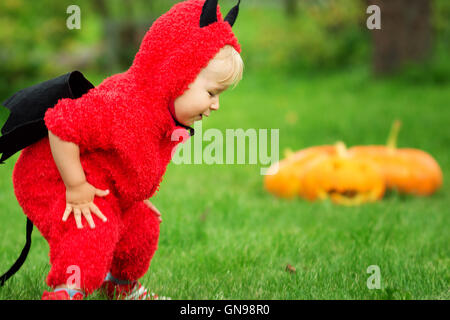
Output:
[[87, 122]]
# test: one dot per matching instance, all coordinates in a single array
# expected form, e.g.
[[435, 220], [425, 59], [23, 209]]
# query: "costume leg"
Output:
[[138, 243], [83, 256]]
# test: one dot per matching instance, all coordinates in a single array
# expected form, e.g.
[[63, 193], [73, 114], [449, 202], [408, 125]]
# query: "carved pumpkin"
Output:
[[407, 170], [284, 178], [343, 179]]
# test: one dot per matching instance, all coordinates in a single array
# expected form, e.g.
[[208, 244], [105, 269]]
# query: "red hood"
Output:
[[176, 48], [173, 52]]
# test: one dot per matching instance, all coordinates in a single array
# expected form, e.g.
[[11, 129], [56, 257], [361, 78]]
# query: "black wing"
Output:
[[25, 124]]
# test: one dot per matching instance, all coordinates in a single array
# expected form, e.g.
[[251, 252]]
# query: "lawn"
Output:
[[224, 237]]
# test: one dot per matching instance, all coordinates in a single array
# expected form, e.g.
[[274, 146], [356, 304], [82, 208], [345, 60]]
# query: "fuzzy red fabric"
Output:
[[123, 128]]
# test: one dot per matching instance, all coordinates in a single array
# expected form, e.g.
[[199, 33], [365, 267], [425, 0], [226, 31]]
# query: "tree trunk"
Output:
[[290, 7], [122, 36], [405, 34]]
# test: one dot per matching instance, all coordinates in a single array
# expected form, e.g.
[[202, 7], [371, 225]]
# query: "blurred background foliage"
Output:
[[320, 35], [289, 36]]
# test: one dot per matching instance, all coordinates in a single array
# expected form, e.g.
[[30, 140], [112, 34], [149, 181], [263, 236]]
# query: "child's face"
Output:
[[200, 99]]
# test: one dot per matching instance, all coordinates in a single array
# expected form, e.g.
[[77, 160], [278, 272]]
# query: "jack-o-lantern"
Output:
[[284, 178], [343, 179], [404, 169]]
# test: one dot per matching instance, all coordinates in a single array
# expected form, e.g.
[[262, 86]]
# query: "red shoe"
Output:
[[131, 291], [61, 295]]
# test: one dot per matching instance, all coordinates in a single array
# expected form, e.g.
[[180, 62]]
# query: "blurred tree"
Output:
[[122, 29], [290, 7], [324, 34], [38, 44], [405, 34], [30, 32]]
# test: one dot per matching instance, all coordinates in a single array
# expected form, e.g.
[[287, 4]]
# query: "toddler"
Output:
[[86, 185]]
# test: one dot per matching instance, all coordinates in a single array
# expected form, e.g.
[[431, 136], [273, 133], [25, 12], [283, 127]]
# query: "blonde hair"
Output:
[[227, 65]]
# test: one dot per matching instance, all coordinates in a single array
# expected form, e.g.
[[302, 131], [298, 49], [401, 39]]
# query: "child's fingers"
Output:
[[77, 214], [152, 206], [67, 213], [157, 212], [97, 212], [101, 193], [154, 209], [149, 204], [87, 215]]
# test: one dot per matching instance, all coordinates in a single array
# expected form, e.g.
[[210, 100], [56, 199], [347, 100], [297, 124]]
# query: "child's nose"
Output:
[[215, 105]]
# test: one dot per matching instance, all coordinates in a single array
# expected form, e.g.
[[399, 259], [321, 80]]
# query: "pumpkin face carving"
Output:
[[354, 176], [344, 179]]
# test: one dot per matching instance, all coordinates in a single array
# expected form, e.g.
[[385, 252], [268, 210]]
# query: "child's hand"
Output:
[[156, 211], [80, 200]]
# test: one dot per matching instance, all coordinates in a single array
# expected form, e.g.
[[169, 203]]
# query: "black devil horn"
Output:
[[209, 13], [232, 15]]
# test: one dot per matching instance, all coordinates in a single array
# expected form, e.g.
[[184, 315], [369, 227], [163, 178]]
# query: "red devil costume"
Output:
[[123, 128]]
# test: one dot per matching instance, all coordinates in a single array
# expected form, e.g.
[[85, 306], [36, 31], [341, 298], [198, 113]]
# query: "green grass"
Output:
[[223, 237]]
